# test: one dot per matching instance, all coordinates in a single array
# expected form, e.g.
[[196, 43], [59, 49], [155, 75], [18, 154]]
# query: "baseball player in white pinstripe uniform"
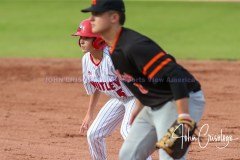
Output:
[[99, 77]]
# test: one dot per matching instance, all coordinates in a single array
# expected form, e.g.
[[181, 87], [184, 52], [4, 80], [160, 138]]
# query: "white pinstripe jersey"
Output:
[[102, 76]]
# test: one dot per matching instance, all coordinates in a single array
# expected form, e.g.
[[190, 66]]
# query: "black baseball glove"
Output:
[[178, 138]]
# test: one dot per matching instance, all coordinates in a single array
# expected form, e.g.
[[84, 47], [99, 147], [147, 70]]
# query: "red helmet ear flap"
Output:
[[98, 43]]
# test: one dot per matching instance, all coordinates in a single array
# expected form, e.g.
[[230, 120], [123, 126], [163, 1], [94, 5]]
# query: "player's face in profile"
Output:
[[85, 44], [100, 21]]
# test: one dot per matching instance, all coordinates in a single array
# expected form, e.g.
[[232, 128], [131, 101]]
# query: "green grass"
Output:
[[188, 30]]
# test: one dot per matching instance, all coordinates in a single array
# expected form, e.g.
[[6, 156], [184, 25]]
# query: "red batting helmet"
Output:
[[85, 30]]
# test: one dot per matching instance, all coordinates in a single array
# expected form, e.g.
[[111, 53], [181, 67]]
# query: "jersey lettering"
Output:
[[103, 86], [121, 93]]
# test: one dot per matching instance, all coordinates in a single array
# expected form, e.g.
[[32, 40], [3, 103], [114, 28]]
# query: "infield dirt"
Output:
[[42, 104]]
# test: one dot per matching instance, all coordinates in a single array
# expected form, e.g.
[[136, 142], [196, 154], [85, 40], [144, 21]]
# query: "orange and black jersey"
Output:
[[153, 76]]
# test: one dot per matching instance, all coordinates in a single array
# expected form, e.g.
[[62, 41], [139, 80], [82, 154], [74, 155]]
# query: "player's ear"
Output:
[[114, 17]]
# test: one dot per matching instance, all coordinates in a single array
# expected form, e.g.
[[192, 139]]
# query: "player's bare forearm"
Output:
[[88, 117], [138, 107], [182, 106]]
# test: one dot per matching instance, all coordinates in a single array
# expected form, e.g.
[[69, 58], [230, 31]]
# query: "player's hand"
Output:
[[85, 123]]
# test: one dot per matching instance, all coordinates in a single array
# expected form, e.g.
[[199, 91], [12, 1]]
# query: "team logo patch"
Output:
[[81, 27], [128, 78], [94, 2], [141, 88], [124, 77]]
